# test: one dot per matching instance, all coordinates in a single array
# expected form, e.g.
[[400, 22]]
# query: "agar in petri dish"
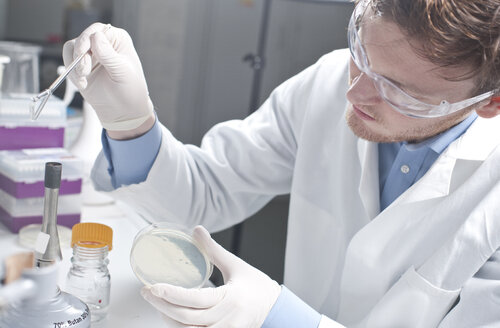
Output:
[[165, 255]]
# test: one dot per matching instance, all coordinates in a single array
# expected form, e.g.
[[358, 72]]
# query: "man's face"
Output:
[[391, 55]]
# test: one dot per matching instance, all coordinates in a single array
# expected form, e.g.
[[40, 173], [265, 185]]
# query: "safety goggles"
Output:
[[392, 94]]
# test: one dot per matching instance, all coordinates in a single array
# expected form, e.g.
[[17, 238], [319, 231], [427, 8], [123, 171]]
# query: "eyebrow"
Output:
[[405, 87]]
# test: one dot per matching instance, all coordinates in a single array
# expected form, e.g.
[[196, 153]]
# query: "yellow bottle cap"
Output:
[[92, 235]]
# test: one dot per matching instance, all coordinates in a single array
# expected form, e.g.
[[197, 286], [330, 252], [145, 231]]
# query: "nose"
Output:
[[362, 90]]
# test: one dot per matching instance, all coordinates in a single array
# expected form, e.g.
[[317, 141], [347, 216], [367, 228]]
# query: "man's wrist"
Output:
[[134, 133], [291, 311]]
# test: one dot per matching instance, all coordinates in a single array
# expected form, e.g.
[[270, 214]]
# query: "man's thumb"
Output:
[[220, 257]]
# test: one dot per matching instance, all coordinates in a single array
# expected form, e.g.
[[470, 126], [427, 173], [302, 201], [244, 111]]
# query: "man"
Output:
[[393, 178]]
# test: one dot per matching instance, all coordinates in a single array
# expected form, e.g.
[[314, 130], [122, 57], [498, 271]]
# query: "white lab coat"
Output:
[[344, 258]]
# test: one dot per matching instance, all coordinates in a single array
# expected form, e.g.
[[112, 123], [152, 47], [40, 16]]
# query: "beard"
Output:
[[385, 132]]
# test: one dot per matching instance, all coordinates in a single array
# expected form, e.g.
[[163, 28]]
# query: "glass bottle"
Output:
[[89, 278], [48, 307]]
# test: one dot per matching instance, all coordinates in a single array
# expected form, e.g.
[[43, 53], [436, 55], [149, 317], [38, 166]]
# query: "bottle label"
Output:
[[80, 321]]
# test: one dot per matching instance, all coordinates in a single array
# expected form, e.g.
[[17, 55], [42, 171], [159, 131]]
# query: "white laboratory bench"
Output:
[[127, 307]]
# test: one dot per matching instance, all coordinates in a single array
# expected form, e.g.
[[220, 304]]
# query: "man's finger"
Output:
[[82, 43], [220, 257], [171, 323], [182, 314], [76, 76], [191, 297]]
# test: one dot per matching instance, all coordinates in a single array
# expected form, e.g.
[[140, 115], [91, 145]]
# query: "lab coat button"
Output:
[[405, 169]]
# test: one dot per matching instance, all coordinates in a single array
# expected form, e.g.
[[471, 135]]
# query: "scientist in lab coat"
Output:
[[388, 149]]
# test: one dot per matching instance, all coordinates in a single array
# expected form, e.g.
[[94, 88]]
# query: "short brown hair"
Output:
[[452, 33]]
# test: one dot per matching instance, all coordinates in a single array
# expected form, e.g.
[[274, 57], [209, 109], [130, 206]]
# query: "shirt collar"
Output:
[[439, 142]]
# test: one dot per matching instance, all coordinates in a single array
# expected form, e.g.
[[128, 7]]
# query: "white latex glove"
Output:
[[111, 79], [243, 301]]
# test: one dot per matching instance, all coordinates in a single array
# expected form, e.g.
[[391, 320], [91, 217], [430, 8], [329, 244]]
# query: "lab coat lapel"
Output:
[[435, 183], [459, 159], [385, 248], [369, 189]]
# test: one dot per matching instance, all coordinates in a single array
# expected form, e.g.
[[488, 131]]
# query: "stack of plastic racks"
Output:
[[18, 131], [22, 187], [25, 147]]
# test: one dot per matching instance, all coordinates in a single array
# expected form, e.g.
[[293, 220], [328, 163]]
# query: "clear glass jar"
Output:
[[89, 279]]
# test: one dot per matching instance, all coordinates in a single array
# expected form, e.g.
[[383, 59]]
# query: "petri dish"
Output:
[[166, 253], [28, 234]]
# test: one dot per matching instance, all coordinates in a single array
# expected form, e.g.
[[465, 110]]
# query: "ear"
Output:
[[490, 109]]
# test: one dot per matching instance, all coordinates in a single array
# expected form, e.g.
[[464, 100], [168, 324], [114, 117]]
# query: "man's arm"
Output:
[[239, 167], [130, 160]]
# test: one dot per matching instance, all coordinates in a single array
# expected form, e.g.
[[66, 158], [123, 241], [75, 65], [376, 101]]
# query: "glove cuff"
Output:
[[130, 124], [126, 125]]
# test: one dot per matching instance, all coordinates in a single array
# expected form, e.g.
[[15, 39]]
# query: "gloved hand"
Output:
[[111, 79], [243, 301]]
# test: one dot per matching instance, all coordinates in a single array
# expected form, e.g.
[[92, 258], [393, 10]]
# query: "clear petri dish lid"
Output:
[[166, 253]]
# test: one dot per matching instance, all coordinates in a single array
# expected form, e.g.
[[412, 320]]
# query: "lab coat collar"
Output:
[[472, 147], [439, 142], [479, 140], [369, 189]]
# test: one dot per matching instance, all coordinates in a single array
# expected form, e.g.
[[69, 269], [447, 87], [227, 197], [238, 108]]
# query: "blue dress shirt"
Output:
[[291, 312], [400, 166], [130, 160]]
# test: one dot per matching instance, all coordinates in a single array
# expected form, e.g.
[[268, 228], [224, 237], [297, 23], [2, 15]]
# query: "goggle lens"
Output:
[[391, 93]]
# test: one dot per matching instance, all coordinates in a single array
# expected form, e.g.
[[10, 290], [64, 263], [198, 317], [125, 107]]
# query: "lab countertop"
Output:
[[127, 307]]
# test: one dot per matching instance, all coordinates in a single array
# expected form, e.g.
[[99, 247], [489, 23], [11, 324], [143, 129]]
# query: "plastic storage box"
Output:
[[18, 131], [22, 72], [22, 172], [17, 213]]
